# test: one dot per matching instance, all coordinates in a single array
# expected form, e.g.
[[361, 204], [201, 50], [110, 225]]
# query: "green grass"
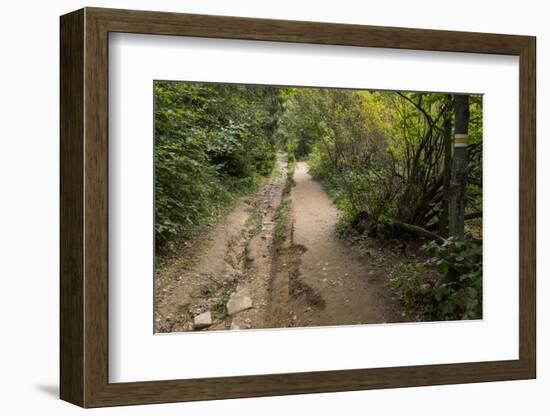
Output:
[[291, 167], [276, 171], [220, 307], [281, 220]]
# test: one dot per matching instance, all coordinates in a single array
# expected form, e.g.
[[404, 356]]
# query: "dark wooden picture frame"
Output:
[[84, 207]]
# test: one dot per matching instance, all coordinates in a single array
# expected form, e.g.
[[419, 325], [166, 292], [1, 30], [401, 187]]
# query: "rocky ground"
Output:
[[275, 261]]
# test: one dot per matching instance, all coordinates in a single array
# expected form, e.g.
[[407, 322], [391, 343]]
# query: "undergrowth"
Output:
[[220, 307], [446, 286], [281, 220]]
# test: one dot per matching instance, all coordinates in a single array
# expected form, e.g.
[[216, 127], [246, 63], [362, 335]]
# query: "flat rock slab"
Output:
[[203, 320], [238, 302]]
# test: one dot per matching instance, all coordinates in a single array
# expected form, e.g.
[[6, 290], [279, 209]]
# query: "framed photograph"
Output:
[[254, 207]]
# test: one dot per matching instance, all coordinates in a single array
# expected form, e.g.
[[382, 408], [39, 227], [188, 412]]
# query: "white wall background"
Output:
[[29, 206]]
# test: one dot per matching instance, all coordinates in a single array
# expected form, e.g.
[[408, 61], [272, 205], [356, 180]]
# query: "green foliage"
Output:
[[447, 286], [212, 142], [281, 221], [351, 158], [220, 307], [289, 183], [380, 154], [302, 121]]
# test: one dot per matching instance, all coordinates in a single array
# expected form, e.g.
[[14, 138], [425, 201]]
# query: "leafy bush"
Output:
[[291, 167], [351, 158], [212, 142], [446, 286], [382, 152]]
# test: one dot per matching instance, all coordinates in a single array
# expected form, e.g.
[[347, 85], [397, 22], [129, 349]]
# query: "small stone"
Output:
[[203, 320], [234, 326], [238, 302], [372, 272]]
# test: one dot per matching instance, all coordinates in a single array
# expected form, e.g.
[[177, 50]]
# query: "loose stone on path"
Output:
[[238, 302], [203, 320]]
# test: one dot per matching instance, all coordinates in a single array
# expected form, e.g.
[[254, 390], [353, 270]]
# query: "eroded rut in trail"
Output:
[[231, 257], [334, 284], [236, 275]]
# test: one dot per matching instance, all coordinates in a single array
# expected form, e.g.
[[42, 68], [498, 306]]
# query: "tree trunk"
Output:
[[447, 166], [415, 229], [459, 177]]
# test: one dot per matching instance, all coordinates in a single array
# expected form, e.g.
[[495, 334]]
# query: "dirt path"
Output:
[[232, 256], [245, 273], [329, 282]]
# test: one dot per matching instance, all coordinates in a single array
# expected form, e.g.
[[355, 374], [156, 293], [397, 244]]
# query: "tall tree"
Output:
[[459, 177]]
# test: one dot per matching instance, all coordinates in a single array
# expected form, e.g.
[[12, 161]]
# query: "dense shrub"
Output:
[[211, 144], [351, 159], [446, 286], [381, 153]]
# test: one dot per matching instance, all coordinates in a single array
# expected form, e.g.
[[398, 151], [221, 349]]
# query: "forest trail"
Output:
[[246, 238], [231, 256], [238, 275], [340, 285]]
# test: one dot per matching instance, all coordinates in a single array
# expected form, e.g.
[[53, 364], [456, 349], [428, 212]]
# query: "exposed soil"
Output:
[[305, 277], [331, 282], [231, 256]]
